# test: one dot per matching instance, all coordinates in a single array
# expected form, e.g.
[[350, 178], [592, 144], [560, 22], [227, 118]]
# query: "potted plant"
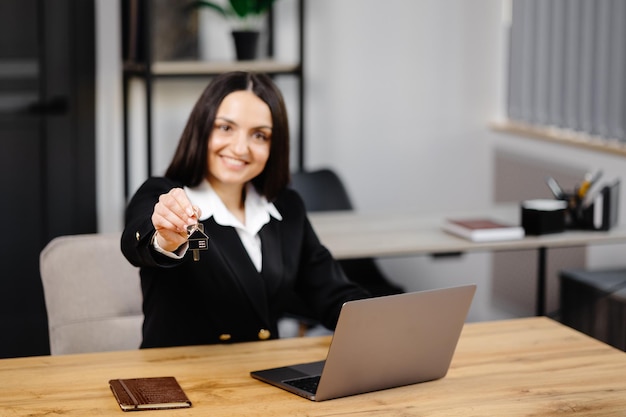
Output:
[[246, 17]]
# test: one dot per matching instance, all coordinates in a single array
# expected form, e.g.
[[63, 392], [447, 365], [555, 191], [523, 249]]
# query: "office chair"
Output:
[[92, 293], [322, 190]]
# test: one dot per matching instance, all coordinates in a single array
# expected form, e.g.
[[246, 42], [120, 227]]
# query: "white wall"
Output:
[[109, 142], [399, 97]]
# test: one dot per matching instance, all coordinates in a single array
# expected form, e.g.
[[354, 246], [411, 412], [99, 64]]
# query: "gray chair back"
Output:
[[92, 293], [321, 190]]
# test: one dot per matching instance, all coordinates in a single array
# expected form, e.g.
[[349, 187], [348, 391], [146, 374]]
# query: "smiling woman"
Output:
[[228, 178]]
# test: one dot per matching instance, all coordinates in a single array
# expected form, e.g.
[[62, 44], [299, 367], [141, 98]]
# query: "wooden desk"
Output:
[[519, 367], [355, 235]]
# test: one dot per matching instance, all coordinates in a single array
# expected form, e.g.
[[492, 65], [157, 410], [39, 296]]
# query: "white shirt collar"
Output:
[[258, 210]]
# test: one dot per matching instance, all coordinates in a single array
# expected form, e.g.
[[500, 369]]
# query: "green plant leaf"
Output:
[[238, 8], [264, 5], [244, 8]]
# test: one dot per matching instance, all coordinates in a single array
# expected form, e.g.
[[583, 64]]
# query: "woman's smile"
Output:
[[231, 161]]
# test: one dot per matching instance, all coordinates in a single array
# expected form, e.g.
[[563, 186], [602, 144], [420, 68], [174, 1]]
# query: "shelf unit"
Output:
[[150, 71]]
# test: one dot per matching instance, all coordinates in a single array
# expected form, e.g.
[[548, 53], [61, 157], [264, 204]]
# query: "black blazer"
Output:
[[222, 297]]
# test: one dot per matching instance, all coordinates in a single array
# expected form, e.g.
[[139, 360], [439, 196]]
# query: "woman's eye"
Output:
[[261, 136]]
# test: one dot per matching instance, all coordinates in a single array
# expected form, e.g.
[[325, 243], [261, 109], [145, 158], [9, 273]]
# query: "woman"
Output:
[[230, 173]]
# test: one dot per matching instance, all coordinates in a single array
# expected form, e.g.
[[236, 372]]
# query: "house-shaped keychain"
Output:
[[197, 240]]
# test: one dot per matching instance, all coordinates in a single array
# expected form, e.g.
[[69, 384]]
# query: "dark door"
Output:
[[47, 152]]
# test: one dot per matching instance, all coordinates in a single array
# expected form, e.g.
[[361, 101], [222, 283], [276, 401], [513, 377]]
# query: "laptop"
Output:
[[381, 343]]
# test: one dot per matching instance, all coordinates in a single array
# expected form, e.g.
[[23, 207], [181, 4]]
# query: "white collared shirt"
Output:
[[257, 211]]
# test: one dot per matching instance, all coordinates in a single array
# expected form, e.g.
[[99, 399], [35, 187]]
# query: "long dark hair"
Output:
[[190, 165]]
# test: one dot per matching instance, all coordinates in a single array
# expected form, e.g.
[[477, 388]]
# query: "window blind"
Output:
[[567, 65]]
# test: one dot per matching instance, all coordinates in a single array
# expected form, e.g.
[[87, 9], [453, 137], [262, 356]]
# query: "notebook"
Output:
[[381, 343]]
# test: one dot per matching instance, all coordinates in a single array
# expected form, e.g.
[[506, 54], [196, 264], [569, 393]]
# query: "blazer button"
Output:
[[264, 334], [137, 236], [225, 337]]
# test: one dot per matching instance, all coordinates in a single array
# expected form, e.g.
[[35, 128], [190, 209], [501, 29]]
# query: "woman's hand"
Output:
[[172, 214]]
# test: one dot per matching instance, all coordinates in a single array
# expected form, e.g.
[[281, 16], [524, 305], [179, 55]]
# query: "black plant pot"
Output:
[[246, 44]]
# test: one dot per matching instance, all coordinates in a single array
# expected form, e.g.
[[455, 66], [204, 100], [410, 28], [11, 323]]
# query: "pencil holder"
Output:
[[597, 211]]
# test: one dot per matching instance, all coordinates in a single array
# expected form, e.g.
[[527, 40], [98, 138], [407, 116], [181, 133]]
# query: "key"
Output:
[[197, 240]]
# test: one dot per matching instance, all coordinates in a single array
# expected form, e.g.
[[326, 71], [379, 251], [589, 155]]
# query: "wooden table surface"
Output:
[[521, 367]]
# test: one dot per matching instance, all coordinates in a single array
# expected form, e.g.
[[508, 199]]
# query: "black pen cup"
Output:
[[540, 217]]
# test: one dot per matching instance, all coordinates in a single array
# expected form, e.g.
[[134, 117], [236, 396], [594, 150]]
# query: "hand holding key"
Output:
[[172, 214]]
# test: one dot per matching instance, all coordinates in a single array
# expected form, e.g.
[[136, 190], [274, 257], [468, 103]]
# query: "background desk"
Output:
[[379, 234], [521, 367]]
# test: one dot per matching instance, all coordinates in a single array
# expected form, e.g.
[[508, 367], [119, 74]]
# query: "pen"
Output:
[[589, 180], [555, 188]]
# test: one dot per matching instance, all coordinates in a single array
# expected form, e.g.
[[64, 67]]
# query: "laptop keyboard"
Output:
[[308, 384]]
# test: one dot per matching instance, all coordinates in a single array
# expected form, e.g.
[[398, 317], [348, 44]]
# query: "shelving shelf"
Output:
[[205, 68]]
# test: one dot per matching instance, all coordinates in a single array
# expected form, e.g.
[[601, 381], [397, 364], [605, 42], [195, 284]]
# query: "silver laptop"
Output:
[[381, 343]]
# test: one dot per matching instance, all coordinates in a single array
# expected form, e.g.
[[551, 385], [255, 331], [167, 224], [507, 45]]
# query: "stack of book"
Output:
[[483, 229]]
